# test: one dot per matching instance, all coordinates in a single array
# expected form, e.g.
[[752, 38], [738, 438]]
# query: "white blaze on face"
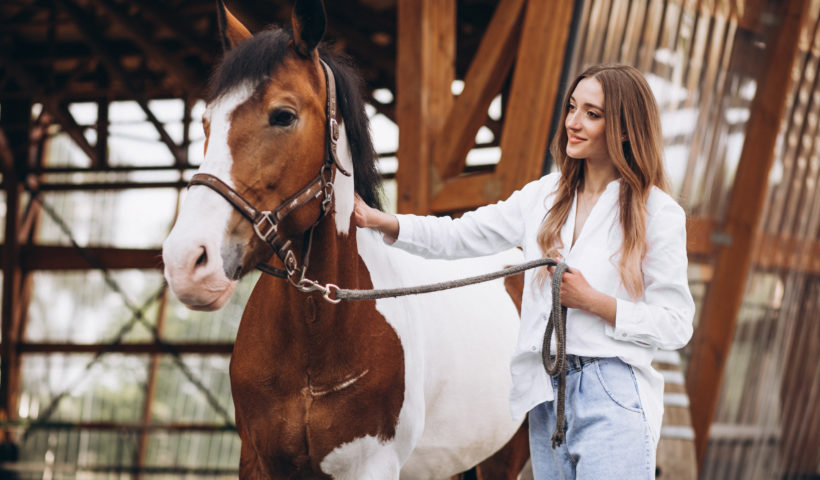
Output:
[[203, 218]]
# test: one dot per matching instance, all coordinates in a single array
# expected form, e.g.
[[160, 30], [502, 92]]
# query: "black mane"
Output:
[[257, 59]]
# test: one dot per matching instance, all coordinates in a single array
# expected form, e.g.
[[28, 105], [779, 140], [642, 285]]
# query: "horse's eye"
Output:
[[281, 118]]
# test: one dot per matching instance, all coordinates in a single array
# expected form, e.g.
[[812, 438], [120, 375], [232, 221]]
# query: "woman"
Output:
[[605, 214]]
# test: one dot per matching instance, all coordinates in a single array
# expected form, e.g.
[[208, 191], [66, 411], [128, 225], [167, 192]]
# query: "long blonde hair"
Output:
[[630, 112]]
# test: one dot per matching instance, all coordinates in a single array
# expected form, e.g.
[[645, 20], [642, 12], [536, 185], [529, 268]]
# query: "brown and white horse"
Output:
[[415, 387]]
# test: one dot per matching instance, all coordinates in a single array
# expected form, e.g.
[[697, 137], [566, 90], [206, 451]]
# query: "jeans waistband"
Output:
[[575, 363]]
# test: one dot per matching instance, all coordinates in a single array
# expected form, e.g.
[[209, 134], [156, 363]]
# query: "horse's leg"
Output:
[[507, 463], [249, 466]]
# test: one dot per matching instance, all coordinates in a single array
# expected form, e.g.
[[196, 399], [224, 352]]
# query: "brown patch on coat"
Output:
[[284, 370]]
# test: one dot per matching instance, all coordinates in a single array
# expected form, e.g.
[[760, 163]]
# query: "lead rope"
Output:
[[333, 294], [558, 323]]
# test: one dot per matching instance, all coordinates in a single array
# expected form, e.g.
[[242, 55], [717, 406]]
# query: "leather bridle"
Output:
[[266, 222]]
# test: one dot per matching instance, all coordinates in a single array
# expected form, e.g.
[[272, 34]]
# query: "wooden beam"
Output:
[[58, 110], [424, 74], [49, 258], [129, 427], [713, 337], [188, 348], [484, 79], [535, 87], [466, 192], [102, 133], [13, 153], [790, 254], [150, 388]]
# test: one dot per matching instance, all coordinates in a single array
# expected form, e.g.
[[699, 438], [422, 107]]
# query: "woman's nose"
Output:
[[572, 120]]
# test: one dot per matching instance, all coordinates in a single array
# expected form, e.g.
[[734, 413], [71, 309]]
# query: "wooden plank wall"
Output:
[[721, 306]]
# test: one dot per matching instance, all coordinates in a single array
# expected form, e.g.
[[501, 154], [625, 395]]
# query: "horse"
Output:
[[413, 387]]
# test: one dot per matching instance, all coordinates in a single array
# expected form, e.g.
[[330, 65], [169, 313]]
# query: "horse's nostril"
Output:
[[203, 259]]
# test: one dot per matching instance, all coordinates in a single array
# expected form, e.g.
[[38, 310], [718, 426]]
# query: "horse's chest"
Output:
[[295, 405]]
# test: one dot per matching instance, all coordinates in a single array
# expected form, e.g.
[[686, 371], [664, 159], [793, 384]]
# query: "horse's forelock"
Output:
[[252, 61]]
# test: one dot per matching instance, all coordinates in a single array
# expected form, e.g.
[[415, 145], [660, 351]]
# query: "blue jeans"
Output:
[[606, 433]]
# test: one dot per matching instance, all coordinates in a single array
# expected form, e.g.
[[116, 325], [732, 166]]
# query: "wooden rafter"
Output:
[[175, 21], [85, 23], [139, 31], [59, 110], [713, 338]]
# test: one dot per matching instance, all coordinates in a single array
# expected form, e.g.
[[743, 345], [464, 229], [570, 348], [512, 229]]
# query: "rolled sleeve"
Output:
[[663, 317], [487, 230]]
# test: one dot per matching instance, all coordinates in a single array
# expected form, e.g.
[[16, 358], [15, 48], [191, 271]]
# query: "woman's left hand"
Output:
[[576, 292]]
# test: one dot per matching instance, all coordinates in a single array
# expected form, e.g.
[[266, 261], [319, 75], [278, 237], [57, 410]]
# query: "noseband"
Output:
[[266, 222]]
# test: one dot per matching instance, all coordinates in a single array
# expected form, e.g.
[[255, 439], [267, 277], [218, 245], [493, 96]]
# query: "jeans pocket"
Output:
[[619, 383]]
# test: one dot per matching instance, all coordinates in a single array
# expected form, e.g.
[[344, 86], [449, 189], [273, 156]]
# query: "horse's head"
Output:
[[265, 127]]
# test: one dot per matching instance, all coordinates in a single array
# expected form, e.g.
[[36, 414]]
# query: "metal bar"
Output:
[[214, 348]]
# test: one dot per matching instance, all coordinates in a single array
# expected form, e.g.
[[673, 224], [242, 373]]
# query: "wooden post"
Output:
[[14, 118], [424, 75], [533, 92], [485, 77], [718, 318]]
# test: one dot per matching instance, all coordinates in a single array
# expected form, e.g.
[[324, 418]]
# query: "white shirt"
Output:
[[660, 318]]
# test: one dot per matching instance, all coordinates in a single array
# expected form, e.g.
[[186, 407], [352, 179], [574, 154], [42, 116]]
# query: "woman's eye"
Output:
[[281, 118], [570, 107], [593, 115]]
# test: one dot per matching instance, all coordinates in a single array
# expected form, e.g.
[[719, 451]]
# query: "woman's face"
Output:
[[585, 122]]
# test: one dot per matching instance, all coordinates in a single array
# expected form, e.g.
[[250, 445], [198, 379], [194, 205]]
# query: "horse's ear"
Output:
[[308, 21], [231, 30]]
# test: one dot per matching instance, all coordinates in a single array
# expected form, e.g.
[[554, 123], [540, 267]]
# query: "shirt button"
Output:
[[533, 348], [623, 335]]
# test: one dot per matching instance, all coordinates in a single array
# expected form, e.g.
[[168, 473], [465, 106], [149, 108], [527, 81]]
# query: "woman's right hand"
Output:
[[366, 216]]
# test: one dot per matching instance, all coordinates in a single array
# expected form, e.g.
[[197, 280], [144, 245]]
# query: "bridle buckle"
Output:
[[334, 130], [269, 229]]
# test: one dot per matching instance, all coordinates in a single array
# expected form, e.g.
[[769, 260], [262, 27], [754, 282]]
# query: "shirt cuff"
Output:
[[405, 232], [627, 321]]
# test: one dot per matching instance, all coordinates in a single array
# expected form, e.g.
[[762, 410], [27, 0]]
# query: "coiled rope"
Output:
[[558, 323]]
